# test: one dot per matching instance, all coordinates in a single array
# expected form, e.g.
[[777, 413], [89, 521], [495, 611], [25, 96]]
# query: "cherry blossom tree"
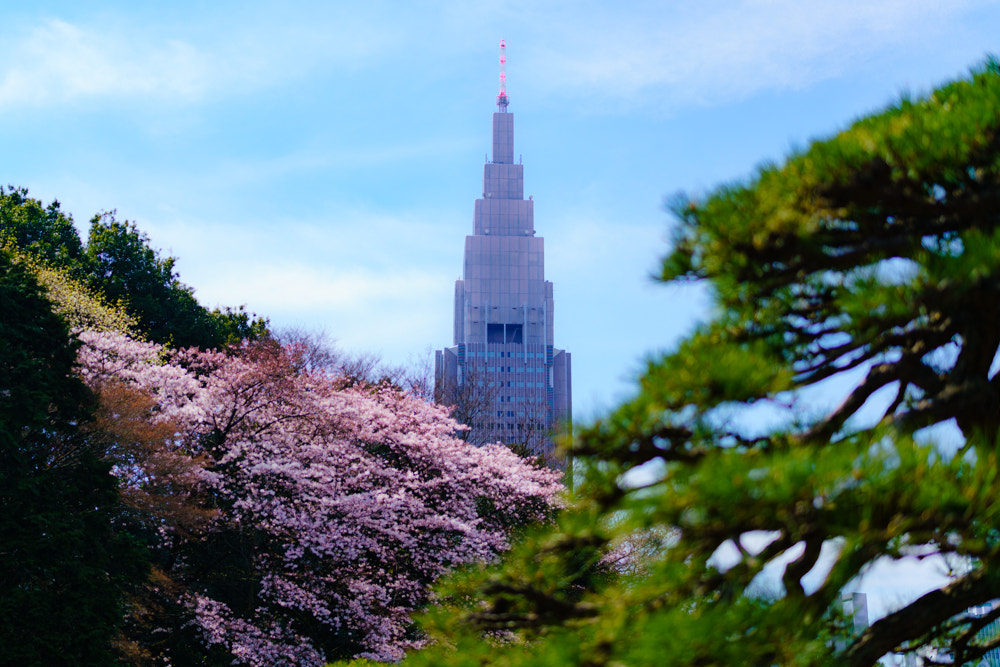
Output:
[[337, 503]]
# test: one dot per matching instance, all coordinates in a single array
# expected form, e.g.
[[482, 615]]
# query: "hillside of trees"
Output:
[[178, 487]]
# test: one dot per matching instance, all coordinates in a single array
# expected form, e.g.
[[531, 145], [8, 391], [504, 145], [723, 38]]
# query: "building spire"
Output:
[[502, 97]]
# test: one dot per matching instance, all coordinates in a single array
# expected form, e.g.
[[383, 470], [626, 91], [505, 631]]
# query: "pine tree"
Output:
[[865, 268]]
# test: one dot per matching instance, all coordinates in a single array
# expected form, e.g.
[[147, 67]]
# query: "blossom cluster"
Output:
[[346, 501]]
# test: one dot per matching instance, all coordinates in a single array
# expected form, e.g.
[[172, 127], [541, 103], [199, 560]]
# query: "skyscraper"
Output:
[[503, 373]]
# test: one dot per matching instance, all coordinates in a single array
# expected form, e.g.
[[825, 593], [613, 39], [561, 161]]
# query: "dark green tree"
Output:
[[64, 568], [236, 325], [127, 270], [43, 231], [123, 266], [864, 274]]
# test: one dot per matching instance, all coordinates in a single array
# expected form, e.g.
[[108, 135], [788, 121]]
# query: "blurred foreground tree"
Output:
[[840, 409]]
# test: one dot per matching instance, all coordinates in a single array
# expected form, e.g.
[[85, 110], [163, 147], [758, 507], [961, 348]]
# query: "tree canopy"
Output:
[[293, 516], [43, 231], [840, 409], [119, 266]]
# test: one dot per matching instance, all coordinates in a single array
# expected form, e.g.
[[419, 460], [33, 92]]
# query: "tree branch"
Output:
[[923, 616]]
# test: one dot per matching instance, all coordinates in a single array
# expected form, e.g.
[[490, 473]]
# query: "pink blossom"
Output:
[[361, 496]]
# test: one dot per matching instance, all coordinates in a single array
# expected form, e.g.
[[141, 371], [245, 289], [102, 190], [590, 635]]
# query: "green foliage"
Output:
[[235, 325], [117, 280], [63, 567], [42, 231], [126, 270], [37, 394], [76, 303], [868, 267]]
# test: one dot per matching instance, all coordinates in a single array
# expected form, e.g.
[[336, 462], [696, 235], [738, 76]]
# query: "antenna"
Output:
[[502, 97]]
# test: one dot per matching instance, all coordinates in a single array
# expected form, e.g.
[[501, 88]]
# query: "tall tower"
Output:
[[503, 373]]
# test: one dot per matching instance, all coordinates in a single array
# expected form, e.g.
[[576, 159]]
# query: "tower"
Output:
[[503, 373]]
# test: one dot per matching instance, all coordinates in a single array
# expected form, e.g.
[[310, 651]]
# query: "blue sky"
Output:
[[318, 161]]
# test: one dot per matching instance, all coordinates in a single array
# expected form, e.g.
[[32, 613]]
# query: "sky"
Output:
[[318, 161]]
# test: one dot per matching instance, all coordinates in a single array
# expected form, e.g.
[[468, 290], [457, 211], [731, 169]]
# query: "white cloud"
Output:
[[587, 240], [394, 312], [622, 53], [58, 61], [292, 287], [206, 55], [333, 274], [716, 51], [241, 171]]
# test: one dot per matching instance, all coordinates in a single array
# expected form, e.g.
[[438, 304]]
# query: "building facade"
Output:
[[503, 373]]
